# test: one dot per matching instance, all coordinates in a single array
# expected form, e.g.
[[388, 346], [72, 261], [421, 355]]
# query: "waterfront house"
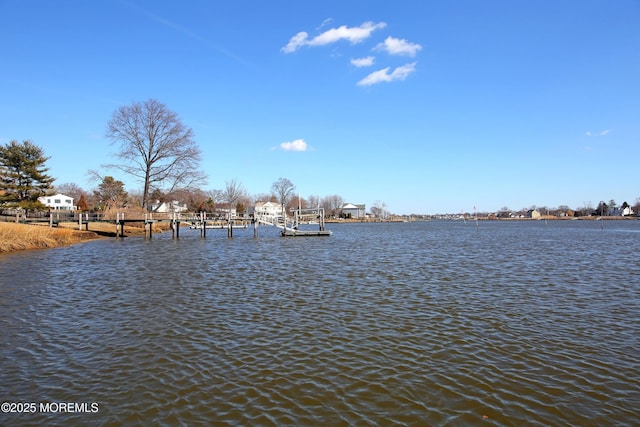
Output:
[[58, 202], [350, 210], [225, 210], [269, 209], [533, 214], [167, 207]]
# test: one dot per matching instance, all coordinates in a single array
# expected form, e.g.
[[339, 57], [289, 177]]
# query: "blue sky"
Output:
[[426, 106]]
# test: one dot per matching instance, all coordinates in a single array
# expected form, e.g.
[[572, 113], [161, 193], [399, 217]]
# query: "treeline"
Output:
[[602, 209], [110, 194]]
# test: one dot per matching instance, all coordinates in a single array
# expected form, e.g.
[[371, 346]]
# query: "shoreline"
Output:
[[483, 218], [24, 237]]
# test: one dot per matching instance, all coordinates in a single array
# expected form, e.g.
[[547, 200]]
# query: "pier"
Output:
[[301, 222]]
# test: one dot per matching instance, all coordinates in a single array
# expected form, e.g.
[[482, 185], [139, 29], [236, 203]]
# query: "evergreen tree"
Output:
[[111, 194], [23, 175]]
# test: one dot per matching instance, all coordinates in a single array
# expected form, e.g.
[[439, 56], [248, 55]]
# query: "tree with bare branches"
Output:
[[155, 147], [233, 191], [283, 189]]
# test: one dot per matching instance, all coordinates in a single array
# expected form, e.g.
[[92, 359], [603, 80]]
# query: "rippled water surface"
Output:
[[426, 323]]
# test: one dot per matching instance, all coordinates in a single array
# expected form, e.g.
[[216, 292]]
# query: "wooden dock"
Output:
[[305, 216], [290, 227], [291, 232]]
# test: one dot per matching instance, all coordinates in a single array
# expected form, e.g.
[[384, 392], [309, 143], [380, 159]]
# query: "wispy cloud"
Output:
[[363, 62], [351, 34], [185, 31], [297, 145], [394, 46], [381, 76], [601, 133], [325, 23]]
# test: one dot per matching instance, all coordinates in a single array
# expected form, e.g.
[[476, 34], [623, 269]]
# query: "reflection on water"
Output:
[[430, 323]]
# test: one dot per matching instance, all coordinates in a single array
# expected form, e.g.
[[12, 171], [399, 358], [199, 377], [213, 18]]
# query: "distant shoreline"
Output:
[[20, 237], [484, 218]]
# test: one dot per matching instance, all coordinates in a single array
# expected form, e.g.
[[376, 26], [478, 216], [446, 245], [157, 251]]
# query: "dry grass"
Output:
[[17, 237]]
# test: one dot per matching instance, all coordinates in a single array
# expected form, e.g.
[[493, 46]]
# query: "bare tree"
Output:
[[313, 201], [379, 209], [233, 191], [72, 190], [283, 189], [332, 205], [155, 147]]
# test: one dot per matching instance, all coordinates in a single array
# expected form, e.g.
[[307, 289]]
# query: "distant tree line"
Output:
[[603, 209]]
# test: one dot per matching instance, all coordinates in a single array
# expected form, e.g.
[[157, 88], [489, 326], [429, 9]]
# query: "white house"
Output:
[[225, 210], [167, 207], [627, 211], [267, 209], [353, 211], [58, 202]]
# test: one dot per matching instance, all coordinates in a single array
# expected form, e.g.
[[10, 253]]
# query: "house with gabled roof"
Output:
[[269, 209], [349, 210]]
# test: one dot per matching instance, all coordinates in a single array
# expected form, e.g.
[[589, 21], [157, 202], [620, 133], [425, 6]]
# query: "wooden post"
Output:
[[255, 228], [122, 225], [229, 230], [50, 219], [173, 225], [177, 229]]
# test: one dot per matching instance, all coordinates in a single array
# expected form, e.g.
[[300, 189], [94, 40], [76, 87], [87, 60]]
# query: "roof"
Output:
[[59, 196], [352, 206], [267, 204]]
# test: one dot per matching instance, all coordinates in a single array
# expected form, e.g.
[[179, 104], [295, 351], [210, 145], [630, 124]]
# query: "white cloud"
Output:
[[297, 145], [363, 62], [352, 34], [325, 23], [602, 133], [295, 42], [383, 75], [394, 46]]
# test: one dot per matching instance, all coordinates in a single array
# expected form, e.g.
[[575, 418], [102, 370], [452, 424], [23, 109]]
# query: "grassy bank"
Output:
[[17, 237]]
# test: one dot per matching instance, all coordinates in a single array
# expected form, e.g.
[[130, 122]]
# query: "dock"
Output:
[[295, 225], [290, 232], [305, 216]]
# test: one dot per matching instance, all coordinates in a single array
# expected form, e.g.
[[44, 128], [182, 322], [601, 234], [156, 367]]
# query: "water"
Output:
[[427, 323]]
